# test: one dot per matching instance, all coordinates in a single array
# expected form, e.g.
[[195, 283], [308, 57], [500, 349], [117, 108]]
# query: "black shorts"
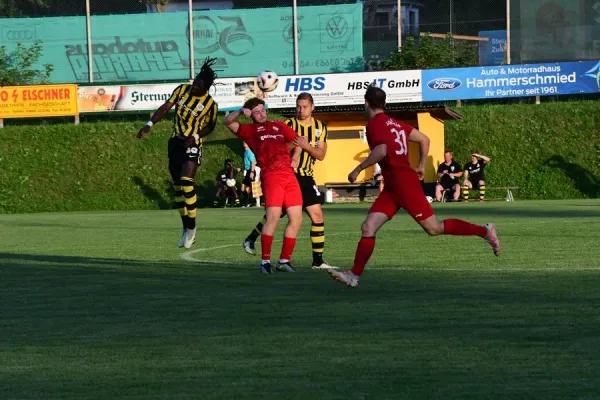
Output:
[[447, 184], [247, 180], [311, 194], [179, 155], [475, 182]]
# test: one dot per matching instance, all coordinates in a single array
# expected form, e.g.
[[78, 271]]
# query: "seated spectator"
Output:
[[226, 183], [448, 173], [474, 175]]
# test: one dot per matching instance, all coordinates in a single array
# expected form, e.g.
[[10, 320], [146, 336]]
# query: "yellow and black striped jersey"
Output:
[[192, 113], [315, 133]]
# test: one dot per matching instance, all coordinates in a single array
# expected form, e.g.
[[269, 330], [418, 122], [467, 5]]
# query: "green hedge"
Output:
[[551, 151]]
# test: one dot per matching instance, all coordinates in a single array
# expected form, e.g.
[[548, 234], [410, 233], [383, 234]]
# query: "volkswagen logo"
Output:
[[337, 27]]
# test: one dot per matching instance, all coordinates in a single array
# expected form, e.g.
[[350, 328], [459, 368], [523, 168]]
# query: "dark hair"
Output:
[[207, 74], [305, 96], [228, 161], [253, 102], [447, 151], [375, 97]]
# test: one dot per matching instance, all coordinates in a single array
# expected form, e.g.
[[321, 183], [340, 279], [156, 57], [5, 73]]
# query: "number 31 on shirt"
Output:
[[401, 140]]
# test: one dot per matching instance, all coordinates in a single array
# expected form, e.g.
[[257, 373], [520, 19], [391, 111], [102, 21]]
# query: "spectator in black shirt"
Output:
[[475, 175], [448, 173]]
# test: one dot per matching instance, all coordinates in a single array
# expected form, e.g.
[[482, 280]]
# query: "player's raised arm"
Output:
[[377, 154], [417, 136], [160, 113], [231, 120]]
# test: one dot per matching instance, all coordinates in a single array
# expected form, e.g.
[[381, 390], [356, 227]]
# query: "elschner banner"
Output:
[[511, 81], [144, 47], [231, 93]]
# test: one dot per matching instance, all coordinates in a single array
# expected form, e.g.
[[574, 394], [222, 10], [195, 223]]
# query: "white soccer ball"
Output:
[[230, 182], [267, 81], [430, 199]]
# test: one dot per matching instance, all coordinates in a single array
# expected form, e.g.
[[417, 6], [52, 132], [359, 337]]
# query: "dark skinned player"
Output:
[[195, 117]]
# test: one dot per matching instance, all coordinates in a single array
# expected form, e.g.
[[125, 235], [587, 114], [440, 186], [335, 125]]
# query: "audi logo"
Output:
[[20, 34]]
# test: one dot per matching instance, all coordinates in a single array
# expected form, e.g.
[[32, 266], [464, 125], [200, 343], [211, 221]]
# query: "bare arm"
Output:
[[376, 155], [485, 159], [158, 115], [296, 156], [231, 120], [318, 152], [417, 136]]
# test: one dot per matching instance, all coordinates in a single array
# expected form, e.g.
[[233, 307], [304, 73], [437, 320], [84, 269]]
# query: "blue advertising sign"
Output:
[[155, 46], [511, 81], [492, 52]]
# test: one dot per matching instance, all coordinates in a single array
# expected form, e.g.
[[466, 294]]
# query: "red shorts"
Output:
[[407, 194], [281, 190]]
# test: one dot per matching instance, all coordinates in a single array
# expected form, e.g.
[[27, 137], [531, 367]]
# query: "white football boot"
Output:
[[190, 239], [346, 277], [492, 238], [182, 240]]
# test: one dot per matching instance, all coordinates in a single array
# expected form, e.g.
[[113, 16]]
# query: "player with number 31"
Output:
[[387, 139]]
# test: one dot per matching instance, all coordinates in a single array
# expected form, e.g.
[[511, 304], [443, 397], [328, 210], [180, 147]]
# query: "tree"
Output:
[[17, 66], [430, 53], [18, 8]]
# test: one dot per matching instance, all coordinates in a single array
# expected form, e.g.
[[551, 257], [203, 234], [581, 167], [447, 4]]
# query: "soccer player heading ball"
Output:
[[271, 142], [195, 117], [387, 139]]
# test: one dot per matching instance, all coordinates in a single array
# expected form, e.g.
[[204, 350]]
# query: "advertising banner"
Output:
[[156, 46], [230, 93], [38, 101], [511, 81]]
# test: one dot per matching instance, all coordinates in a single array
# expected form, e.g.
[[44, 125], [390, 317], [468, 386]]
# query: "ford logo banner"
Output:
[[444, 84]]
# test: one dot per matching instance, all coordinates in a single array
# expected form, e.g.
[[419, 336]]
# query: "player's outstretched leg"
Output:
[[458, 227], [289, 239], [364, 250]]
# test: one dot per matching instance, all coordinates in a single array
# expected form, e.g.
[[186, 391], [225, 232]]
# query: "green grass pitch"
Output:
[[104, 305]]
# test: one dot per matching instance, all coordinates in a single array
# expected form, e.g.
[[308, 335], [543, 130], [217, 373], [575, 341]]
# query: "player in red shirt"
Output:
[[387, 140], [271, 142]]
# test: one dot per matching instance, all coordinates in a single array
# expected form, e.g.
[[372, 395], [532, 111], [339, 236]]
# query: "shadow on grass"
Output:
[[473, 210]]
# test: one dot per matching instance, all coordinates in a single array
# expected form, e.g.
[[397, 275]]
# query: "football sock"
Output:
[[266, 245], [180, 201], [257, 230], [317, 238], [459, 227], [365, 248], [189, 192], [465, 192], [482, 192], [237, 201], [287, 249]]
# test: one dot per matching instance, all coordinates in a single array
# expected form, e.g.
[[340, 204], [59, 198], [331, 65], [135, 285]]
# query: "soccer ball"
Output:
[[430, 199], [267, 81], [230, 182]]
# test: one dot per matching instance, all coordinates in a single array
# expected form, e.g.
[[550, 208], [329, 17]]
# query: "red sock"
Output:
[[365, 248], [288, 248], [459, 227], [266, 242]]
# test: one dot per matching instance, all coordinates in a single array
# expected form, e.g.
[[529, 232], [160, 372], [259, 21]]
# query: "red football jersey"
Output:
[[383, 129], [269, 144]]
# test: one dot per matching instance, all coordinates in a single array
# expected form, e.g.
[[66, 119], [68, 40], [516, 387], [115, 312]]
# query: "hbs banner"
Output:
[[511, 81], [143, 47]]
